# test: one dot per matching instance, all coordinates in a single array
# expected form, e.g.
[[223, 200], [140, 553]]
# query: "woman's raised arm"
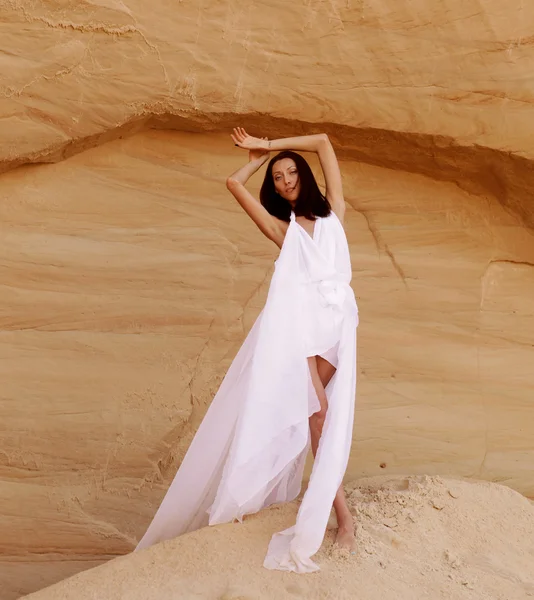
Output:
[[318, 143], [270, 226]]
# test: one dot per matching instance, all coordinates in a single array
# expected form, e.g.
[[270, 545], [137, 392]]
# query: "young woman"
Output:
[[293, 381]]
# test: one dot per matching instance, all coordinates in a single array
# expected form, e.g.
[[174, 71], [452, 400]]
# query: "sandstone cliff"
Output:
[[130, 276]]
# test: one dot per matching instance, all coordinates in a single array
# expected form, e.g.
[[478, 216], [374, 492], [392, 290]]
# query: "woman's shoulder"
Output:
[[331, 216], [336, 217]]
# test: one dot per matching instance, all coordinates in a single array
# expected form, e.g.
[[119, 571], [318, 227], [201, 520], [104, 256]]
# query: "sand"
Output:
[[418, 537]]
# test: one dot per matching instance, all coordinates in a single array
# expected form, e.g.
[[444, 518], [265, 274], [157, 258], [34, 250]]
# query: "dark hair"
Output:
[[310, 204]]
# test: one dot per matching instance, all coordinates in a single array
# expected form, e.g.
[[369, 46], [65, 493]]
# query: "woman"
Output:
[[292, 382]]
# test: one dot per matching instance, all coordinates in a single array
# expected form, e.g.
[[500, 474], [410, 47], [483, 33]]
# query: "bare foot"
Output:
[[345, 539]]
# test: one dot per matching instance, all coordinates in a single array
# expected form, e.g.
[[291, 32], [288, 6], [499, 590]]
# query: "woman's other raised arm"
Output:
[[270, 226]]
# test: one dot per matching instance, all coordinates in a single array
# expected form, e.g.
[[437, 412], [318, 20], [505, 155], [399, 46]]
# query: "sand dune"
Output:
[[418, 537]]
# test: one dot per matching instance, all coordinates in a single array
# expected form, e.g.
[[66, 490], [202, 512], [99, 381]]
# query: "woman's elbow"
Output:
[[323, 141], [231, 183]]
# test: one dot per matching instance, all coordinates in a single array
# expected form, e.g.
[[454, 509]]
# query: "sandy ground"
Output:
[[419, 537]]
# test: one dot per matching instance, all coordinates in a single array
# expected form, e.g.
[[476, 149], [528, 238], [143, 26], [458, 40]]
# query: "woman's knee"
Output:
[[318, 418]]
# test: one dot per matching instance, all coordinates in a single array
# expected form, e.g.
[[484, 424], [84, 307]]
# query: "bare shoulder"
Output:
[[271, 227]]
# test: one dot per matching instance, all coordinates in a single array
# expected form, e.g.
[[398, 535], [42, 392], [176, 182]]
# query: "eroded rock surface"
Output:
[[129, 276]]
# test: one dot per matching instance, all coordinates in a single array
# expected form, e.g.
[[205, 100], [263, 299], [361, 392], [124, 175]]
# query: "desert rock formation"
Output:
[[130, 276]]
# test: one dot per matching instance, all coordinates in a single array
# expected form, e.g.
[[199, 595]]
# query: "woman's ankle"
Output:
[[345, 521]]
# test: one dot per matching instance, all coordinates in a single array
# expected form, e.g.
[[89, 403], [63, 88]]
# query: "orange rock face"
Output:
[[130, 276]]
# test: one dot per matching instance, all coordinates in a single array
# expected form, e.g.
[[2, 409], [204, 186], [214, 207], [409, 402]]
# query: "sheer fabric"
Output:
[[250, 448]]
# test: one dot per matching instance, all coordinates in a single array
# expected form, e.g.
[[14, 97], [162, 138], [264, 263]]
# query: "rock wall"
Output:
[[130, 276]]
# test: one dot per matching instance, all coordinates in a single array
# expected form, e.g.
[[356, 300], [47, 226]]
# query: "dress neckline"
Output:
[[314, 233]]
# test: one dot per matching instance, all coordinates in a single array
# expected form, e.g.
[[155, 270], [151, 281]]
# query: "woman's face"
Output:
[[286, 179]]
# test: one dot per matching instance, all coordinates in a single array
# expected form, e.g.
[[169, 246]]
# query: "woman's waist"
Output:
[[335, 292]]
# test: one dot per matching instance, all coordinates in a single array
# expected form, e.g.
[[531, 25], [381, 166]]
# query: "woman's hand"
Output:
[[257, 147], [260, 155]]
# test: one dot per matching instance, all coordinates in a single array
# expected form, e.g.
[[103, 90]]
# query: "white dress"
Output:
[[250, 449]]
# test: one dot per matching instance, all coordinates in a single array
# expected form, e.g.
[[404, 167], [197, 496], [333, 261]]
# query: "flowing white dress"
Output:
[[250, 449]]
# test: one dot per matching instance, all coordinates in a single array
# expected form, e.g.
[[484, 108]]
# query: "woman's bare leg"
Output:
[[321, 373]]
